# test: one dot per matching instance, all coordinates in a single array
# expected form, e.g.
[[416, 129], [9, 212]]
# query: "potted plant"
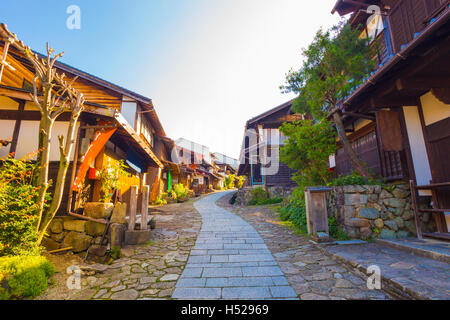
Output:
[[109, 177]]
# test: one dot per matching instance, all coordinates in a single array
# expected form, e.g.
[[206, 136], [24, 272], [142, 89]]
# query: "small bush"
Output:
[[160, 201], [354, 179], [261, 197], [295, 212], [241, 181], [26, 276], [229, 181], [180, 191], [19, 208]]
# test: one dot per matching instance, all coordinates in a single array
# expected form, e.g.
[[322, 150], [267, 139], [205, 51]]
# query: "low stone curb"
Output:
[[390, 286]]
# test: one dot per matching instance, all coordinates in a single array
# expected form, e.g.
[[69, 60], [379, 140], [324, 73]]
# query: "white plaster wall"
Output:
[[418, 149], [6, 133], [433, 109], [28, 139]]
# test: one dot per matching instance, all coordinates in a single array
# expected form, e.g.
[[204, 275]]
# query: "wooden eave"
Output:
[[258, 119], [421, 66], [344, 7], [135, 137]]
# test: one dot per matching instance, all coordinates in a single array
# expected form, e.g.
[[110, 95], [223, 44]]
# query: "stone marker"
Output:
[[98, 210], [119, 213]]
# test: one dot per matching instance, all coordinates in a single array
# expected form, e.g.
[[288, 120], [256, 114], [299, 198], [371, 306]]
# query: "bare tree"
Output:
[[53, 95]]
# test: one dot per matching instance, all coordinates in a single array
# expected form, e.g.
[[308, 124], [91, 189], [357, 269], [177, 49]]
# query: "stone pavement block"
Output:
[[246, 292], [255, 251], [192, 272], [238, 246], [199, 252], [280, 281], [267, 263], [222, 272], [222, 258], [261, 271], [197, 293], [216, 282], [251, 258], [283, 292], [205, 265], [191, 283], [250, 282], [212, 246], [222, 252], [199, 259]]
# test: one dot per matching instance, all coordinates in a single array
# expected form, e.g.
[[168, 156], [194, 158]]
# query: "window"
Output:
[[374, 28]]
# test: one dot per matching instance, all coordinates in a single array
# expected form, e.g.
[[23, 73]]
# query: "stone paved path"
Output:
[[230, 260], [407, 275], [312, 274], [143, 272]]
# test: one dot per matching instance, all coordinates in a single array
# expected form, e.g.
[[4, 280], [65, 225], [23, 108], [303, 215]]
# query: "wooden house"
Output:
[[122, 125], [198, 170], [259, 158], [399, 119]]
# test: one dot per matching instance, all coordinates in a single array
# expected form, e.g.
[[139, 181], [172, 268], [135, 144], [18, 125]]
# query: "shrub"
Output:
[[19, 208], [26, 276], [110, 178], [180, 191], [241, 181], [229, 181], [259, 194], [261, 197], [354, 179], [295, 212], [160, 201]]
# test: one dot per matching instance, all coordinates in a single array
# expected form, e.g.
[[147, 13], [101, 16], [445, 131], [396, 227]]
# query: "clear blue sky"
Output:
[[208, 65]]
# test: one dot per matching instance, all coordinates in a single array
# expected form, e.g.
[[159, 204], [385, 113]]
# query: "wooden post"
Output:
[[417, 219], [132, 206], [144, 207]]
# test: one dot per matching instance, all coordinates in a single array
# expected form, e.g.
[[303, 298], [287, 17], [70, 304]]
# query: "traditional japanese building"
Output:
[[116, 124], [259, 157], [399, 118]]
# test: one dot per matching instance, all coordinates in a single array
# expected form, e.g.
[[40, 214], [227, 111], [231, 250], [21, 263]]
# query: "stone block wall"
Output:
[[376, 212], [81, 235], [244, 195]]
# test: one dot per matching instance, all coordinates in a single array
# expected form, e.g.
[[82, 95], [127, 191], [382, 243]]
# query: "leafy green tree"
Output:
[[229, 181], [307, 149], [335, 63], [241, 181]]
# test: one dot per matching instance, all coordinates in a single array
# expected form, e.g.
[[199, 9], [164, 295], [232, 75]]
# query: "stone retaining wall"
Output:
[[376, 212], [364, 212], [244, 195], [81, 235]]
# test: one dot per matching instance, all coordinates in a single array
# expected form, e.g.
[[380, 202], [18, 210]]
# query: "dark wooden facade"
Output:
[[258, 153], [408, 98], [132, 141]]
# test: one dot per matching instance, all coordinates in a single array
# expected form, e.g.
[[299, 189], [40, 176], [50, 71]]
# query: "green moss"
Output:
[[26, 276], [115, 252]]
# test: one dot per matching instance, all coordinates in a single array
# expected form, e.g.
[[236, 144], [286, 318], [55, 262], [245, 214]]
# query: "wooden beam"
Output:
[[386, 102], [359, 115], [422, 83]]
